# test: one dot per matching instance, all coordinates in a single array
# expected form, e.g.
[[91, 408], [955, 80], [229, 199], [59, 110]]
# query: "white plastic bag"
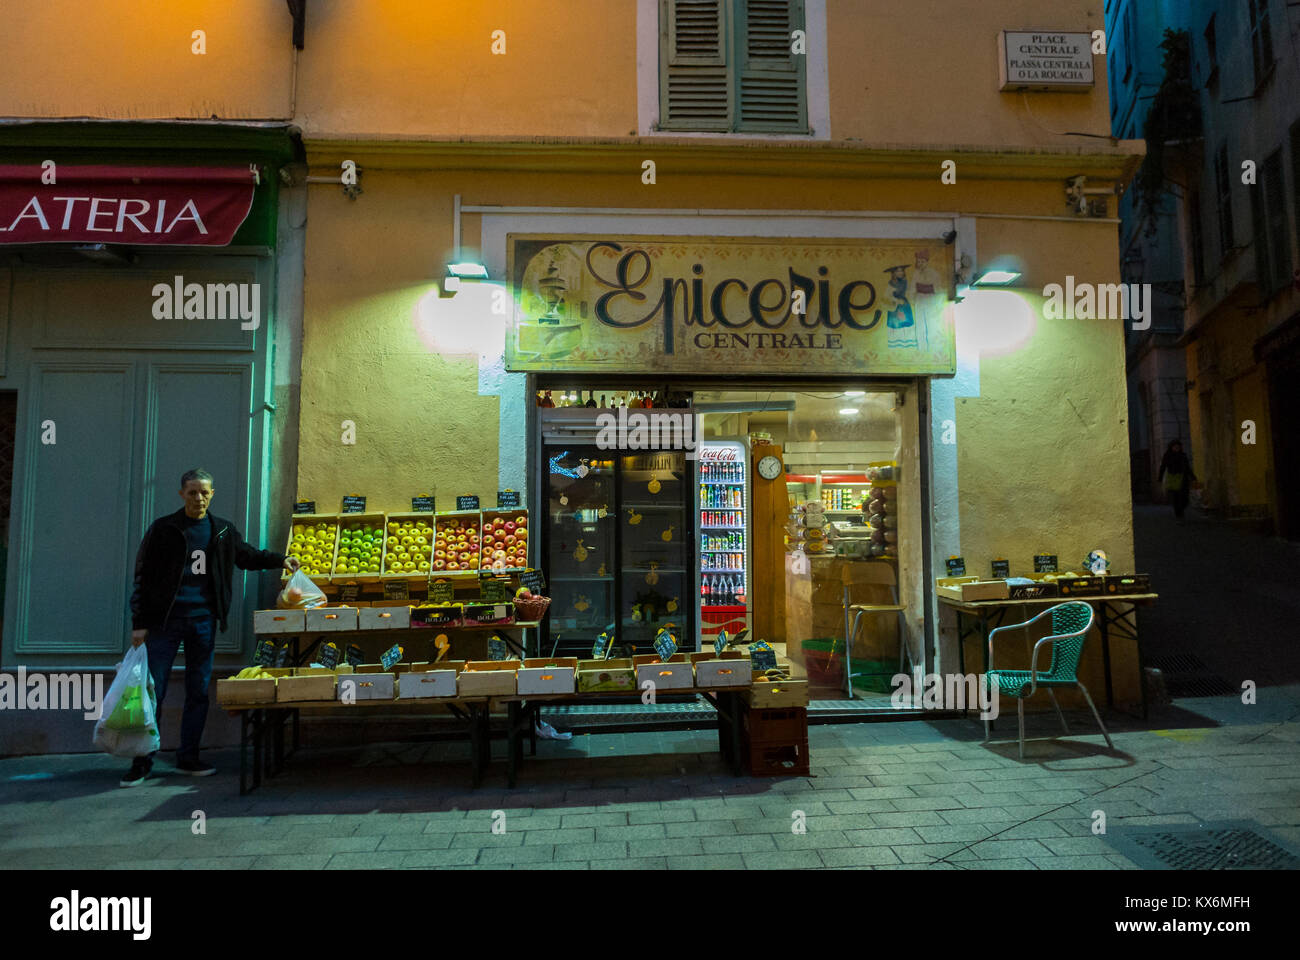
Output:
[[300, 593], [128, 717]]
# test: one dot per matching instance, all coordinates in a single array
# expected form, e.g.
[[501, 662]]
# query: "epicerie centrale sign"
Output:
[[700, 305], [1046, 60]]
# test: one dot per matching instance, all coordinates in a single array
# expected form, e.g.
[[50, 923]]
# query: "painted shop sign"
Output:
[[1045, 60], [696, 305]]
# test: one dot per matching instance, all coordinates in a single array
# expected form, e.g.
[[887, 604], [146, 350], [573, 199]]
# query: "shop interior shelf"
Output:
[[722, 569], [722, 483], [737, 526]]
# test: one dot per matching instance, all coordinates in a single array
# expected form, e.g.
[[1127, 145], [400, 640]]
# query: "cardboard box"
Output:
[[488, 678], [331, 619], [548, 675], [676, 674], [1038, 590], [1081, 587], [438, 618], [426, 680], [279, 621], [618, 675], [969, 589], [766, 695], [732, 669], [367, 686], [1127, 583], [384, 618], [240, 692], [489, 614]]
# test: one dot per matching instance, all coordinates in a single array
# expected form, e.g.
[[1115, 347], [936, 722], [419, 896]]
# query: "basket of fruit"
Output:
[[530, 606]]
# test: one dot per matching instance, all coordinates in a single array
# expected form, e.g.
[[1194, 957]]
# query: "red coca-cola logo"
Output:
[[729, 454]]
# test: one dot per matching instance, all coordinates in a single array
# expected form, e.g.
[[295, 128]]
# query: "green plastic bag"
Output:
[[128, 721]]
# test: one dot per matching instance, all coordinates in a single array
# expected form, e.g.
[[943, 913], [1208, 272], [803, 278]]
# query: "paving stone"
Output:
[[344, 844], [643, 863], [811, 841], [1070, 863], [996, 849], [908, 818], [438, 858], [1011, 863], [675, 847], [1078, 846], [858, 856], [888, 836], [921, 853], [675, 815], [218, 863], [389, 860], [416, 841], [592, 851], [888, 793], [964, 832], [783, 860], [701, 828], [757, 842], [296, 861], [610, 819], [721, 861], [517, 855], [641, 831], [487, 839]]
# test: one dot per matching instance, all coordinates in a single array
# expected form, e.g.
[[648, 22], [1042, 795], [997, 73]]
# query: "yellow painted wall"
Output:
[[132, 59], [1250, 402]]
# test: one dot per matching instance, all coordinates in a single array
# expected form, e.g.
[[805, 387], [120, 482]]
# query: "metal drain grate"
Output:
[[1185, 675], [1207, 847]]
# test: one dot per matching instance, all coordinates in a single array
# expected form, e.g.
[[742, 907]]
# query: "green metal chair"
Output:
[[1070, 625]]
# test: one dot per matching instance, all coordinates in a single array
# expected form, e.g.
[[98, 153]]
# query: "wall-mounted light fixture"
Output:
[[456, 272]]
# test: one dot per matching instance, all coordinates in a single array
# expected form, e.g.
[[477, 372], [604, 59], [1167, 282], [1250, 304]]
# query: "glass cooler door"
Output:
[[580, 554], [654, 532]]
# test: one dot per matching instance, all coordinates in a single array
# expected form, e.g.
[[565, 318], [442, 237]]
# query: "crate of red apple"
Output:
[[505, 540], [456, 541]]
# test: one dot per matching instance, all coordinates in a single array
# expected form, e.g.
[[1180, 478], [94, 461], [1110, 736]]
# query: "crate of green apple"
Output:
[[505, 540], [456, 542], [360, 546]]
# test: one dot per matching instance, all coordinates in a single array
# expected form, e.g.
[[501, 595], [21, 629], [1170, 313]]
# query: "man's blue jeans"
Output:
[[199, 636]]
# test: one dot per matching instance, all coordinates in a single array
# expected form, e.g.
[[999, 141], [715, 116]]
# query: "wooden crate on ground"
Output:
[[779, 693]]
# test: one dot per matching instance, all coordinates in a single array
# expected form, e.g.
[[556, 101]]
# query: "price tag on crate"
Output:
[[264, 655], [1001, 569], [533, 580], [467, 503], [665, 644], [956, 566], [349, 592], [304, 506], [443, 591], [391, 656], [355, 655], [1044, 563], [497, 647], [720, 641], [397, 590], [327, 655], [493, 590], [508, 498], [422, 504], [762, 656], [282, 654], [601, 648], [354, 504]]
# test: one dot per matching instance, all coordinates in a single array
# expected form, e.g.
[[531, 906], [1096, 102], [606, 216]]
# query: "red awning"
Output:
[[192, 206]]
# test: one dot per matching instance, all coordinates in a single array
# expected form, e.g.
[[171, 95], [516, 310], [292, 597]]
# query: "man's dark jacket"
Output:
[[161, 562]]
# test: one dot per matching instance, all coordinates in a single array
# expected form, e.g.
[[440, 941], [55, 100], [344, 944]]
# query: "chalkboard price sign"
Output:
[[354, 504], [328, 655], [762, 657], [265, 653], [956, 566], [282, 655], [600, 649], [391, 656], [494, 591], [422, 504], [349, 592], [467, 503], [355, 656], [1001, 569], [508, 498], [397, 590], [1044, 563], [533, 580], [665, 645], [442, 592], [720, 641], [304, 506], [497, 649]]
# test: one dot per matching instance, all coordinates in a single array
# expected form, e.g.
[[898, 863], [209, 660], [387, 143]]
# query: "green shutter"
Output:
[[694, 79], [770, 80]]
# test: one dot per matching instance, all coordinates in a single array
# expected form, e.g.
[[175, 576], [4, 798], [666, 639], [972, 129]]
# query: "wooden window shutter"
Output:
[[770, 80], [694, 79]]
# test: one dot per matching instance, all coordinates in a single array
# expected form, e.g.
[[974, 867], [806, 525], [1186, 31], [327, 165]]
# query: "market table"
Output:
[[260, 720], [522, 713], [1105, 605]]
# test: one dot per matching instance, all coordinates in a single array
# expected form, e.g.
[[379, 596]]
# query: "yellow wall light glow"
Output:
[[994, 322], [472, 323]]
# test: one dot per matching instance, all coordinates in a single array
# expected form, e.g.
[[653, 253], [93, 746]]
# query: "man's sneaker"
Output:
[[138, 773], [195, 768]]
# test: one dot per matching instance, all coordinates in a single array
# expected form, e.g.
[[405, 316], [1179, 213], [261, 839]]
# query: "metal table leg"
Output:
[[259, 730], [513, 747], [1104, 627], [737, 746], [244, 733]]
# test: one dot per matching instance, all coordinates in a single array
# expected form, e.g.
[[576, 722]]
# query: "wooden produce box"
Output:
[[732, 669], [1081, 587], [439, 618], [307, 683], [279, 621], [767, 695], [548, 675], [618, 675], [232, 692], [384, 618], [501, 535], [351, 525], [457, 556], [488, 678], [1037, 590], [367, 685], [969, 589], [1127, 583], [489, 614], [321, 567], [425, 680], [417, 530], [331, 619], [676, 673]]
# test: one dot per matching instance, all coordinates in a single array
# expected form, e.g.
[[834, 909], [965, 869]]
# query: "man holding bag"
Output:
[[184, 579]]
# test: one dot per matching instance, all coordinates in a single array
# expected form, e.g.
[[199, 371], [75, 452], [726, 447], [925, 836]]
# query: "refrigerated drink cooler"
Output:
[[723, 524]]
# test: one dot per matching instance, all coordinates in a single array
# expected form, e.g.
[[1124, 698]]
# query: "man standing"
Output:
[[184, 576], [1177, 476]]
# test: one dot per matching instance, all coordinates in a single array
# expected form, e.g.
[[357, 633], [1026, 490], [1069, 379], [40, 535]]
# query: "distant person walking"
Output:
[[184, 579], [1176, 473]]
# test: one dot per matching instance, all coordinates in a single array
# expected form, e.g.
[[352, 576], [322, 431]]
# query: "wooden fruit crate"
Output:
[[489, 528], [548, 675], [392, 543], [1127, 583], [766, 695], [350, 521], [1037, 590], [970, 589], [488, 678], [330, 520], [676, 673], [468, 520], [732, 669], [617, 675], [1081, 587], [232, 692]]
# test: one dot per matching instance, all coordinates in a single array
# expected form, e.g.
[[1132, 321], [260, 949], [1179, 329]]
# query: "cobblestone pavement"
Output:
[[912, 795]]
